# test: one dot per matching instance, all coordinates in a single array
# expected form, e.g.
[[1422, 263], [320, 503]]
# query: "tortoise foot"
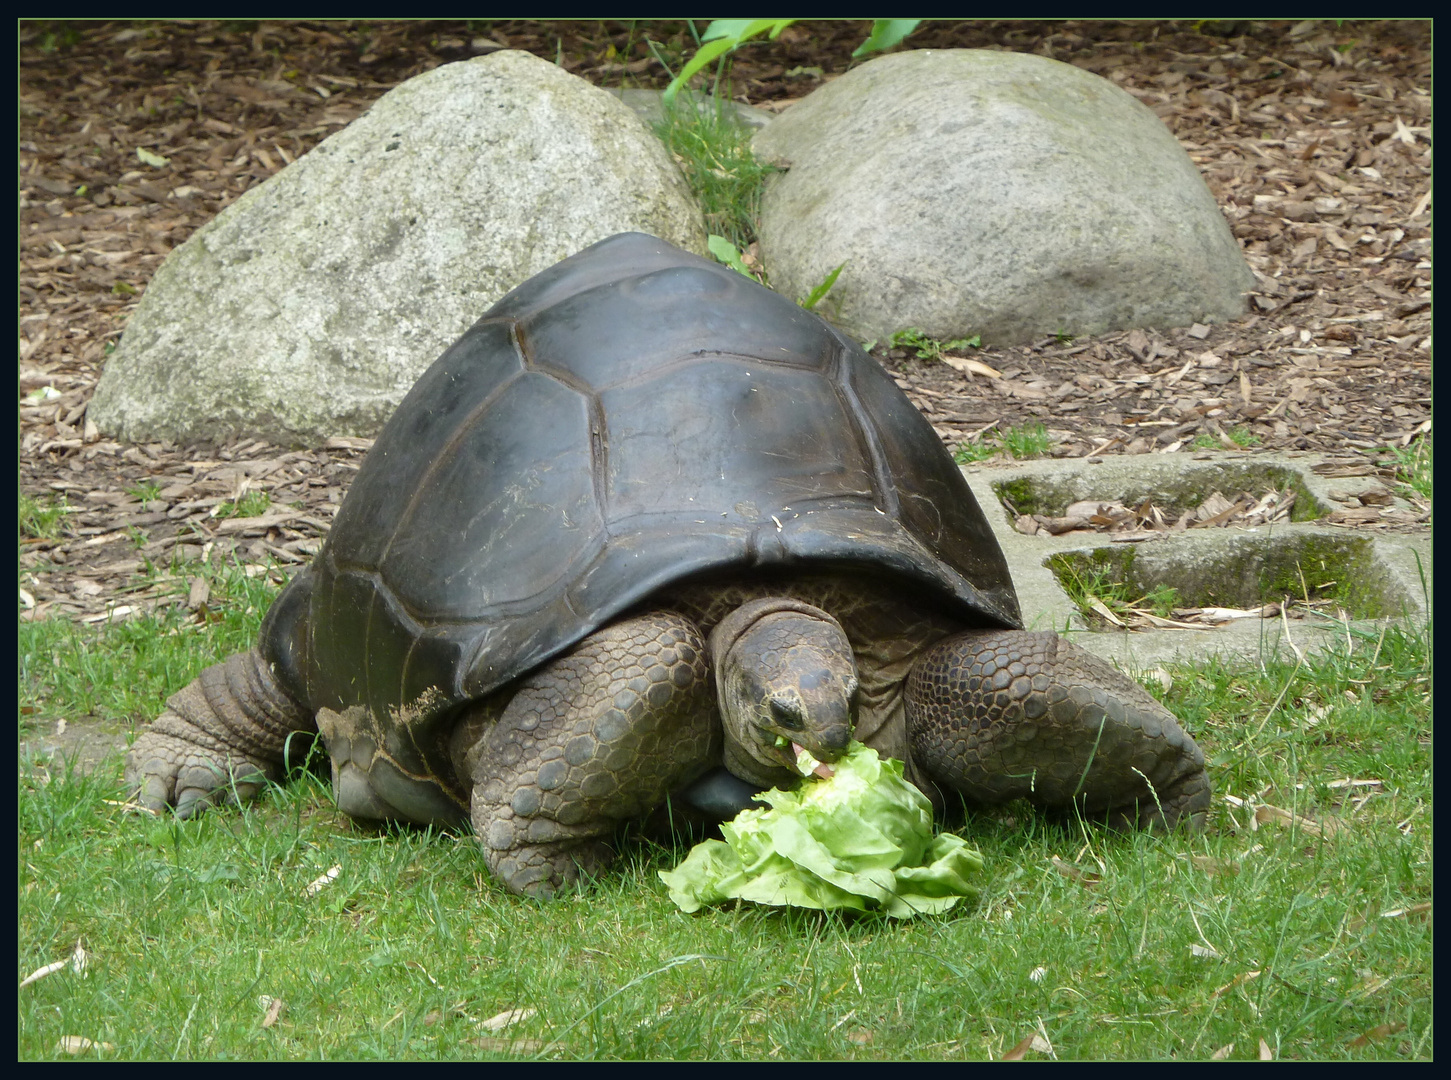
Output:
[[220, 740], [599, 736], [1185, 805], [168, 770], [529, 865], [1001, 715]]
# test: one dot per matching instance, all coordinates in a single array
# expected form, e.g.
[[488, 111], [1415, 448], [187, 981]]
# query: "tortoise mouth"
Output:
[[785, 753], [817, 768], [776, 749]]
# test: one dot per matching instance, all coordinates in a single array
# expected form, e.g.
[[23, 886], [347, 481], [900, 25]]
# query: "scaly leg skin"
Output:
[[597, 737], [219, 740], [1000, 715]]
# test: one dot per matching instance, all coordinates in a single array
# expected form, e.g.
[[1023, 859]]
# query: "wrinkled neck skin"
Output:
[[784, 675]]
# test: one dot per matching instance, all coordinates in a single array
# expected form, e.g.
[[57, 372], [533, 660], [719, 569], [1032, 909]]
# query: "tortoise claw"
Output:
[[542, 870], [218, 741], [163, 770]]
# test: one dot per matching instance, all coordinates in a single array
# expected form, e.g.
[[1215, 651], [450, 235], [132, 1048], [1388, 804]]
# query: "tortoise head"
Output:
[[786, 681]]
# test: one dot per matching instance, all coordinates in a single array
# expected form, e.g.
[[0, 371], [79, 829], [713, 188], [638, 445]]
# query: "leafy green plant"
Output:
[[816, 295], [713, 147], [728, 253], [145, 491], [930, 348], [860, 840], [885, 34], [724, 36], [721, 37]]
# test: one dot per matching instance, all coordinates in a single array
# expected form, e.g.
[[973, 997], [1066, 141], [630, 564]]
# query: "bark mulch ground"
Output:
[[1315, 138]]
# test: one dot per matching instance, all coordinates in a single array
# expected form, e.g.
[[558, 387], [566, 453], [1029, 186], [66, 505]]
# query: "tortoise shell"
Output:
[[631, 417]]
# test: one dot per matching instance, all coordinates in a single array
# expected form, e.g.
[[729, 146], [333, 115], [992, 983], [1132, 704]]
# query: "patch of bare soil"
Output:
[[1314, 138], [81, 744]]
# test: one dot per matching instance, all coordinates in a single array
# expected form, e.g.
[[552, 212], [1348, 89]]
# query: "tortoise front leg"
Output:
[[597, 737], [997, 715], [220, 738]]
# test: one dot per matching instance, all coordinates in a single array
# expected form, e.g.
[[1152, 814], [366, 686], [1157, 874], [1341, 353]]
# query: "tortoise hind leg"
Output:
[[998, 715], [220, 738], [595, 738]]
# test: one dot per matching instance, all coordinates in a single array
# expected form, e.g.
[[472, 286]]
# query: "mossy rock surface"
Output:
[[1174, 490], [1244, 570]]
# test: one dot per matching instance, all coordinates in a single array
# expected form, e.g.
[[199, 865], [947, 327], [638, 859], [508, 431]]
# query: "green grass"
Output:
[[980, 449], [713, 149], [252, 504], [43, 520], [824, 286], [1022, 442], [1027, 441], [1240, 436], [188, 925], [1161, 600], [124, 671], [1413, 467], [1084, 583]]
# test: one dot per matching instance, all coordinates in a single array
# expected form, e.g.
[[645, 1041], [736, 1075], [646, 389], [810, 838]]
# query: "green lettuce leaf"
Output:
[[861, 841]]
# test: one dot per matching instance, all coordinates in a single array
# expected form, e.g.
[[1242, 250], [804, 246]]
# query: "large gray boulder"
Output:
[[309, 306], [970, 191]]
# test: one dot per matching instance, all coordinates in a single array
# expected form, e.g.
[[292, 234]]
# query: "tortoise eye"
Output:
[[788, 713]]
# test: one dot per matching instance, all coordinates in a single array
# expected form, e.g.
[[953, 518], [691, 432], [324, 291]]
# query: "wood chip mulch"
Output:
[[1315, 138]]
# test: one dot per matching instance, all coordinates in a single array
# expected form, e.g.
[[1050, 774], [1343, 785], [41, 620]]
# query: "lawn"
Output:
[[1298, 926]]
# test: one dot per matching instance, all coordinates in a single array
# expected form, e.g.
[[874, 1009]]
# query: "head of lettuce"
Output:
[[859, 840]]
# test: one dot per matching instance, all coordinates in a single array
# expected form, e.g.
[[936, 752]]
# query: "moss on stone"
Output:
[[1173, 493], [1243, 571]]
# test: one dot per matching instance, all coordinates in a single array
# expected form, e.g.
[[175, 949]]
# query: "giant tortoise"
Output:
[[649, 530]]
